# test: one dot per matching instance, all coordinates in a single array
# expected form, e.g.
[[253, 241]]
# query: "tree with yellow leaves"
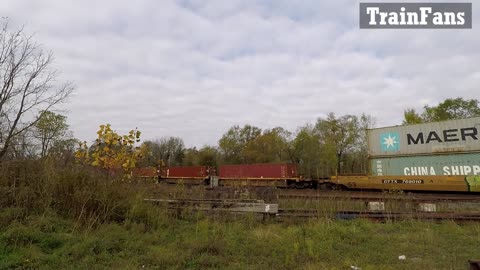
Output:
[[112, 151]]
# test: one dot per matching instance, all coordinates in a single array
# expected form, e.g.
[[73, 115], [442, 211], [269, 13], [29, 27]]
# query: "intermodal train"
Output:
[[285, 175], [437, 156]]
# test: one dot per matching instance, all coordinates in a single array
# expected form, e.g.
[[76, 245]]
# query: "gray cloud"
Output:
[[194, 68]]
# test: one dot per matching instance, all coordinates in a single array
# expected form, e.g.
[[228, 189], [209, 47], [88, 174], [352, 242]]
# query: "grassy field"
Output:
[[68, 217], [151, 239]]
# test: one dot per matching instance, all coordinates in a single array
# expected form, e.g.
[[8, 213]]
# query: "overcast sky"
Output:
[[194, 68]]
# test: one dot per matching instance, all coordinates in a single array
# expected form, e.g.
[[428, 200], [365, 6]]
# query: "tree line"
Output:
[[31, 129], [331, 144]]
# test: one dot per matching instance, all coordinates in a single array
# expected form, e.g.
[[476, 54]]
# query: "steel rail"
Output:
[[377, 215], [366, 196]]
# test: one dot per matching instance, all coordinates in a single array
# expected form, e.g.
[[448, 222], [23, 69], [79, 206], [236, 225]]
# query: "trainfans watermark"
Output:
[[415, 15]]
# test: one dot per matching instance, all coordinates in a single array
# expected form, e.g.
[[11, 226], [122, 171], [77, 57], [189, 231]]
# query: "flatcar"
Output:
[[450, 183], [285, 175], [199, 175], [263, 174]]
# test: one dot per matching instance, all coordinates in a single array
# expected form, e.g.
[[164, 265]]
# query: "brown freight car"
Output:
[[186, 174], [262, 174]]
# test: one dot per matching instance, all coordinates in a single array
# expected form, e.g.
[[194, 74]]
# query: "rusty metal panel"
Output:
[[259, 171], [452, 164], [292, 170], [460, 136], [185, 172]]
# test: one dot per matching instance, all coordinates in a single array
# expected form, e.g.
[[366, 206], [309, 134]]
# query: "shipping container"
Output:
[[185, 172], [460, 136], [259, 171], [451, 164]]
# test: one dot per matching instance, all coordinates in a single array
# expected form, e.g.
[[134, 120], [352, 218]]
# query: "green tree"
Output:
[[207, 156], [308, 153], [356, 160], [340, 133], [190, 157], [49, 129], [449, 109], [166, 151], [64, 149], [411, 117], [457, 108], [271, 146], [234, 141]]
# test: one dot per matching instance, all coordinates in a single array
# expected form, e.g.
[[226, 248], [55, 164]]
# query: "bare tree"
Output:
[[28, 85], [22, 146]]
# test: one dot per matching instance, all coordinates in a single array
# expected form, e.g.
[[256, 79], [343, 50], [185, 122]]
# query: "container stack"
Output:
[[438, 148]]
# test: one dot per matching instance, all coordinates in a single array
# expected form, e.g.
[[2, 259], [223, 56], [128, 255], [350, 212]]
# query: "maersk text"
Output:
[[448, 135]]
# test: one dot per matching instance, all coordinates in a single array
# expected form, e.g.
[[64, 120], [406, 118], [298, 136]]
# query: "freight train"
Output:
[[438, 156], [285, 175], [266, 174]]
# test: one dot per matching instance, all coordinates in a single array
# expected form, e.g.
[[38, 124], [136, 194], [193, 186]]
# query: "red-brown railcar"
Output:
[[261, 174], [259, 171], [186, 174]]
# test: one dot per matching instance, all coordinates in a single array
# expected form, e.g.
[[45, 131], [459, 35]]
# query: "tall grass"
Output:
[[52, 242], [82, 194], [72, 217]]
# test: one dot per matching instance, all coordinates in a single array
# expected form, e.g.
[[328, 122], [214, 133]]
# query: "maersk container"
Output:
[[259, 171], [452, 164], [460, 136]]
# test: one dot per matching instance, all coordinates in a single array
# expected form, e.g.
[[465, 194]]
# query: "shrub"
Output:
[[86, 195]]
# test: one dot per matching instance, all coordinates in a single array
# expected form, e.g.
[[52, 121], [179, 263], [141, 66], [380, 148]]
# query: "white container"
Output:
[[453, 136]]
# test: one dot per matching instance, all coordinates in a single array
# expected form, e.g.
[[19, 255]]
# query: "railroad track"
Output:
[[375, 215], [378, 196], [273, 210], [252, 206]]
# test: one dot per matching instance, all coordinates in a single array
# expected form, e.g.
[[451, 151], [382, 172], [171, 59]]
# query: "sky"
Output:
[[194, 68]]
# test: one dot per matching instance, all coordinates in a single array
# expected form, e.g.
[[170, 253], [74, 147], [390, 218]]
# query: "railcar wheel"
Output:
[[326, 186]]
